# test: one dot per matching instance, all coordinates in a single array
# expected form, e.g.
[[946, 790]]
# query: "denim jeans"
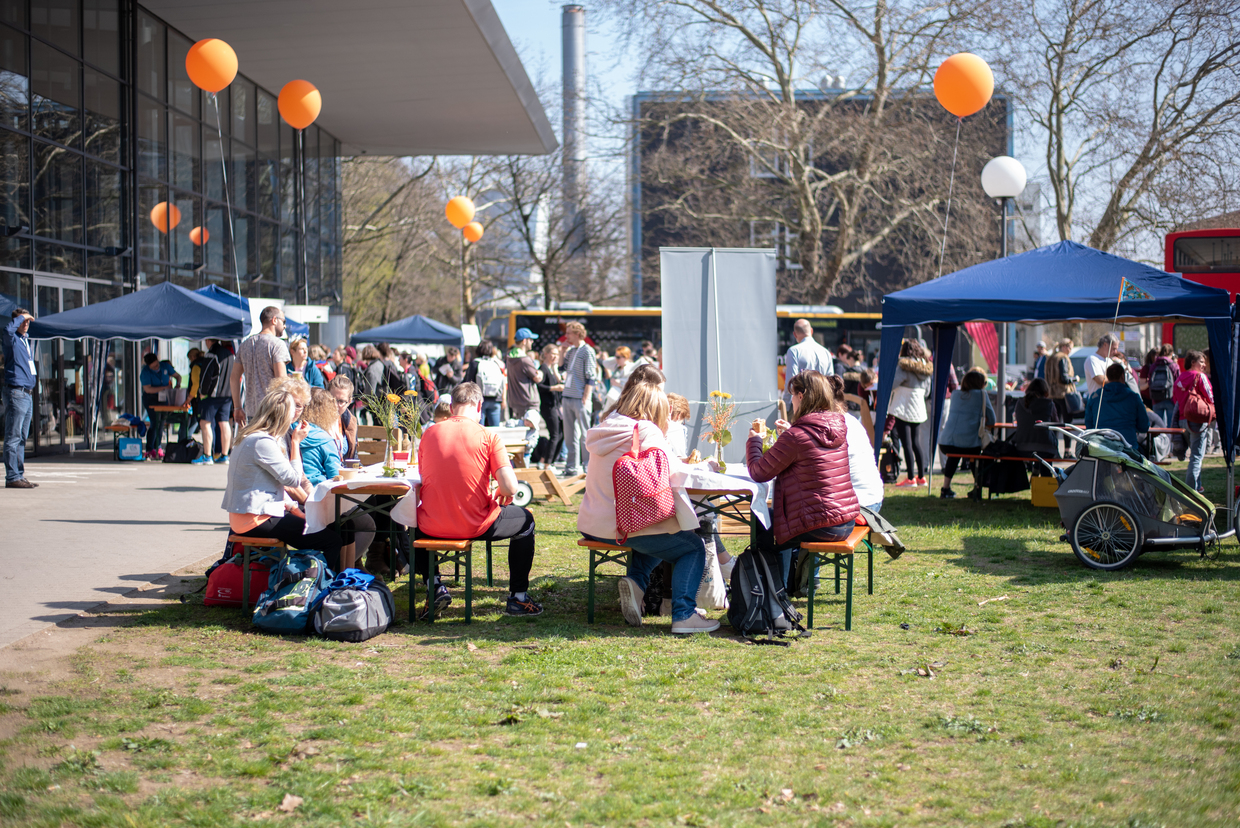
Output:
[[490, 412], [688, 556], [1197, 436], [1166, 409], [18, 409]]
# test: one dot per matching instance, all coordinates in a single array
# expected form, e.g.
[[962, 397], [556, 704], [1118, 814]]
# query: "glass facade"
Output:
[[99, 122]]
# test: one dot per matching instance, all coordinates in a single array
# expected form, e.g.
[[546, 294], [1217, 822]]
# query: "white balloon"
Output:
[[1003, 177]]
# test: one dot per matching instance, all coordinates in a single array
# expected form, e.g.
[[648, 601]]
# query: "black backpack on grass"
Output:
[[758, 604]]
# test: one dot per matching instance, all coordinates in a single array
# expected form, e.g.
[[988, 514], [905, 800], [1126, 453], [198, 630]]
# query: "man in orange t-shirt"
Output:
[[458, 459]]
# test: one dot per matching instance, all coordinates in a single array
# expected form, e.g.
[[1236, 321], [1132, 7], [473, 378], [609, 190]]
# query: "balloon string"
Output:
[[305, 265], [950, 183], [232, 238]]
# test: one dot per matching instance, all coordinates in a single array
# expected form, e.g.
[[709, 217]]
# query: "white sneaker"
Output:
[[694, 624], [631, 601]]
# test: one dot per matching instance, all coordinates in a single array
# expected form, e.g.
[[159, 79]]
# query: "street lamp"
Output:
[[1003, 178]]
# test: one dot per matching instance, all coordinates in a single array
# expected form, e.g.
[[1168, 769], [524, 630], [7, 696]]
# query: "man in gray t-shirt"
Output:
[[260, 359]]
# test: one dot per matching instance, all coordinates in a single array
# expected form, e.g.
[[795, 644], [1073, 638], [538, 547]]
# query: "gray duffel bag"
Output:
[[355, 614]]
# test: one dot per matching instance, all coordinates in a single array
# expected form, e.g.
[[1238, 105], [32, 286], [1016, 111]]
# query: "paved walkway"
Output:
[[96, 529]]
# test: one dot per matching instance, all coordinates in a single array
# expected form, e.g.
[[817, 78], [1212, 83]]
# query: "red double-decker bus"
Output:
[[1208, 257]]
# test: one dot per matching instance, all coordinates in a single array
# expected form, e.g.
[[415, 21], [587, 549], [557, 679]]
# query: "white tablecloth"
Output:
[[737, 478], [321, 506]]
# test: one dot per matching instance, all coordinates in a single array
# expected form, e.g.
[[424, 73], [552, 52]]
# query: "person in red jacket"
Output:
[[813, 498]]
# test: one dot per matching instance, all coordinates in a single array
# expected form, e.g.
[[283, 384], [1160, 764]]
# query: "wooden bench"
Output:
[[1054, 461], [835, 553], [117, 429], [442, 550], [248, 543], [601, 553]]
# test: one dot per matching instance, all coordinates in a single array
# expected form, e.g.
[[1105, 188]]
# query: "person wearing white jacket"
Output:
[[644, 406]]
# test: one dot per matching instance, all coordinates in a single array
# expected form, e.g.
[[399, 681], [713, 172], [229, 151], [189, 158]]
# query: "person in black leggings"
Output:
[[907, 434], [911, 385], [261, 476]]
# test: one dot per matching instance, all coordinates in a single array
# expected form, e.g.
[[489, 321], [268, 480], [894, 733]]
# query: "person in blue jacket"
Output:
[[322, 453], [301, 363], [1118, 407]]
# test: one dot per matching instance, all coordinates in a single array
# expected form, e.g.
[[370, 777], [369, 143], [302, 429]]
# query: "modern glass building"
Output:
[[99, 123]]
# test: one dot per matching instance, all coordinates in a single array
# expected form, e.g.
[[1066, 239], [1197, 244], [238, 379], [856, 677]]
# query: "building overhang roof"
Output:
[[398, 77]]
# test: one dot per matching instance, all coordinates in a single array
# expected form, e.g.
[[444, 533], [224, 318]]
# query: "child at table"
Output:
[[322, 453], [677, 431]]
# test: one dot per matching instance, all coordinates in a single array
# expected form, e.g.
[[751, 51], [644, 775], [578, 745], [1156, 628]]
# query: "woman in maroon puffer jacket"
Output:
[[813, 497]]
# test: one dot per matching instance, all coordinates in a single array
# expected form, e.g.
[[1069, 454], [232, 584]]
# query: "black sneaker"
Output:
[[443, 600], [946, 493], [526, 609]]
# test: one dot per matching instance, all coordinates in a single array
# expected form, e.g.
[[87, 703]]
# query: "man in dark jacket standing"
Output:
[[523, 375], [1118, 407], [19, 381]]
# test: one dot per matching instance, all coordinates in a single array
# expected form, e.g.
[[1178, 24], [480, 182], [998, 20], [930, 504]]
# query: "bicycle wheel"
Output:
[[1106, 536]]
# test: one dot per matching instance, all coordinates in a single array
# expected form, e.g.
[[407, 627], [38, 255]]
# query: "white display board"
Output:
[[719, 334]]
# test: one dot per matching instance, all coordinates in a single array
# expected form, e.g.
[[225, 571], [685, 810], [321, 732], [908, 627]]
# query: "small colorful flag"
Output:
[[1127, 290]]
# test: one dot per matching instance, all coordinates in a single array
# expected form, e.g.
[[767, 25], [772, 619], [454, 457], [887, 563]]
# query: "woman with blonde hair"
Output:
[[643, 406], [264, 480], [322, 455], [300, 364]]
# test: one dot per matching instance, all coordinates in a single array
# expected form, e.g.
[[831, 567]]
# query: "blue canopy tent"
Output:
[[1061, 282], [165, 311], [414, 330], [219, 294]]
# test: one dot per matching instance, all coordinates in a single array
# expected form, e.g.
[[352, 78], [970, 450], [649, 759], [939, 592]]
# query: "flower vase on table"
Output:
[[719, 416]]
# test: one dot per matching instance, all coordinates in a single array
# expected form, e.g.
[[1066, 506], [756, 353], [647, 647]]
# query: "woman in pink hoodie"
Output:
[[1194, 376], [643, 405]]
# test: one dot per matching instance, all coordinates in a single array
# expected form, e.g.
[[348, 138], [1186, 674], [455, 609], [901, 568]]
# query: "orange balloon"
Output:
[[963, 84], [460, 212], [199, 236], [300, 103], [165, 216], [211, 64], [472, 232]]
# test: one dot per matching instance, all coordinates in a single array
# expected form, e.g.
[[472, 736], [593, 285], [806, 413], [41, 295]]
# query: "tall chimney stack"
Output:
[[573, 29]]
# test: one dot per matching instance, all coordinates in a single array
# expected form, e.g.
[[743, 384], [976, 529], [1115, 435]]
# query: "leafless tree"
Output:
[[845, 173], [1135, 105]]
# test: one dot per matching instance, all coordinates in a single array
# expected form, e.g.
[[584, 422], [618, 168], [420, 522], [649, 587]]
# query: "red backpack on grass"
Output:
[[642, 480]]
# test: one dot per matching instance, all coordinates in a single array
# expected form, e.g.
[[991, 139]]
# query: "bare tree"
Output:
[[1135, 104], [837, 176]]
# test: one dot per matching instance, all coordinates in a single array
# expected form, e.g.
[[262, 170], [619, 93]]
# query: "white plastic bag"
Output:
[[712, 592]]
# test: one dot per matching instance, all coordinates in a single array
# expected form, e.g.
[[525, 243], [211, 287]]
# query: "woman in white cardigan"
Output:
[[644, 406]]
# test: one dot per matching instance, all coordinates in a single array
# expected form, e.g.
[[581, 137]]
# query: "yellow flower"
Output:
[[410, 392], [716, 393], [725, 395], [393, 398]]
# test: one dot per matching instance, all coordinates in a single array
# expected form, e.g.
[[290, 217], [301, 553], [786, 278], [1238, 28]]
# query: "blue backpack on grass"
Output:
[[295, 589]]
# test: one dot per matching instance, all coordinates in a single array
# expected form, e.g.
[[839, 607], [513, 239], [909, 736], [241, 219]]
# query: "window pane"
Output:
[[212, 168], [56, 21], [102, 99], [14, 85], [266, 187], [104, 200], [57, 190], [242, 174], [150, 241], [181, 250], [14, 189], [101, 34], [268, 240], [53, 258], [244, 236], [151, 139], [288, 171], [288, 258], [186, 152], [181, 90], [243, 110], [14, 12], [311, 193], [150, 48], [268, 125], [215, 116], [217, 229], [54, 84]]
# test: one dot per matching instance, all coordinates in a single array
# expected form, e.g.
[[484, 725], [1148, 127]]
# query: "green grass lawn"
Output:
[[1084, 698]]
